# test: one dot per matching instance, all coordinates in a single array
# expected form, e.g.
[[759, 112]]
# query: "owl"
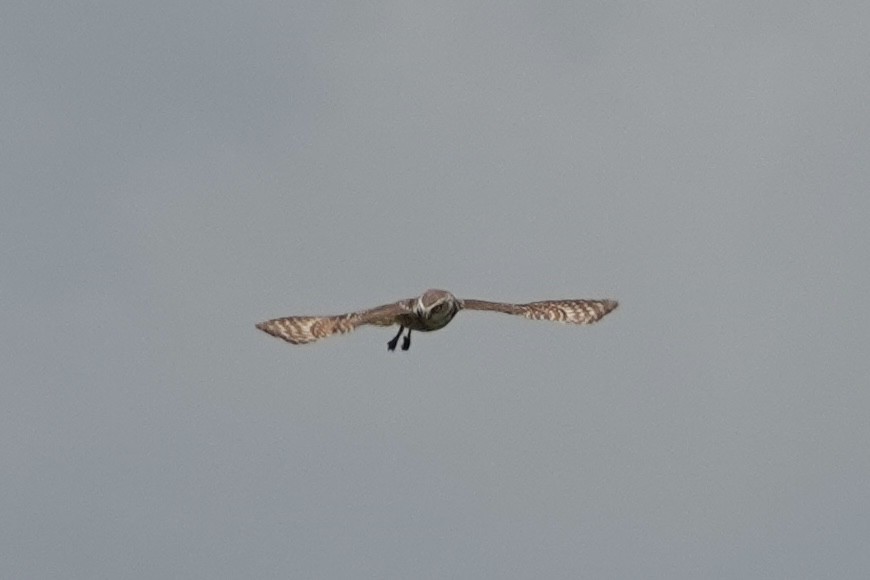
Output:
[[432, 310]]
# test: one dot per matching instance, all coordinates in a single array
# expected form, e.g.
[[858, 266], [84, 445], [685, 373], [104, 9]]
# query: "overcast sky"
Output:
[[173, 173]]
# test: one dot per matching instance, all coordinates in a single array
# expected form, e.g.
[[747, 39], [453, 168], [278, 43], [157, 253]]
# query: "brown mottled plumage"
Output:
[[431, 311]]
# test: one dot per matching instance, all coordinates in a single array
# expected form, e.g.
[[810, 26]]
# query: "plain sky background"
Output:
[[173, 173]]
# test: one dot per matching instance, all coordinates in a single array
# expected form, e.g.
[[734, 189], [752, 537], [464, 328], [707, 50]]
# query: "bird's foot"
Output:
[[391, 345]]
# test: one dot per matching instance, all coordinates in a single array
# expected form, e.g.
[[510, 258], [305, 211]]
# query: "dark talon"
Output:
[[406, 342], [391, 345]]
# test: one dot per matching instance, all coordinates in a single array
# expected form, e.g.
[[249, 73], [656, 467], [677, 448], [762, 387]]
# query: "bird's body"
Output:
[[433, 310]]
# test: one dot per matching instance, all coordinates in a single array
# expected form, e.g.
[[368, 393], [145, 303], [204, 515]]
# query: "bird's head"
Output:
[[437, 307]]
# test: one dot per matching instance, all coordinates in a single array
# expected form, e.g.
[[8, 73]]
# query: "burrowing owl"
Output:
[[431, 311]]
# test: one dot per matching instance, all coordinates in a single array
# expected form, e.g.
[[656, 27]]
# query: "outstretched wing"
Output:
[[305, 329], [567, 311]]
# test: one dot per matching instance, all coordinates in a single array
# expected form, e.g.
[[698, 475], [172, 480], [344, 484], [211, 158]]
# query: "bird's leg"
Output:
[[406, 342], [392, 344]]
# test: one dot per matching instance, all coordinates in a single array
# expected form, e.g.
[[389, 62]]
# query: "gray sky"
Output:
[[174, 173]]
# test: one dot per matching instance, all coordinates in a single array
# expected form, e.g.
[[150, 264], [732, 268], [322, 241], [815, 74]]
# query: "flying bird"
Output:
[[433, 310]]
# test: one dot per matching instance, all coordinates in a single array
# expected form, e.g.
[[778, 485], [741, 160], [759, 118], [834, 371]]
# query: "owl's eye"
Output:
[[438, 308]]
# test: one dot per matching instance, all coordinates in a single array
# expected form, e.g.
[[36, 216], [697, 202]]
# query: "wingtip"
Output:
[[268, 328], [608, 306]]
